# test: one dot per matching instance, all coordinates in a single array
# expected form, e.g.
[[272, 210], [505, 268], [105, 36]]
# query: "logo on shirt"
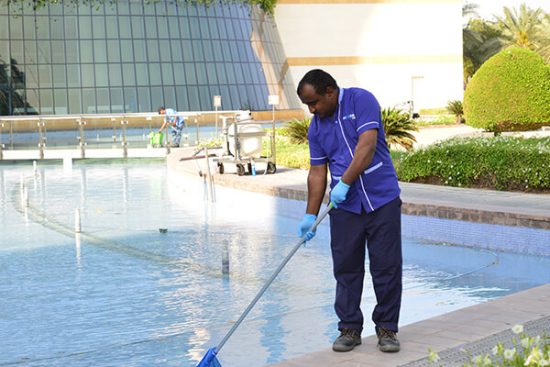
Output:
[[351, 116]]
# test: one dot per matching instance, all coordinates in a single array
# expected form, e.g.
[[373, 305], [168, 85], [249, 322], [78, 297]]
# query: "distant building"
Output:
[[133, 57], [401, 50]]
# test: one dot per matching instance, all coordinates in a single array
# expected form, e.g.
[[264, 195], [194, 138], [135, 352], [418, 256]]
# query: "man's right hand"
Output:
[[305, 225]]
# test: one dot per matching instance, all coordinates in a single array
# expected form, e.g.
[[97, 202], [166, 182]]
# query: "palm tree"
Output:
[[522, 28], [398, 126]]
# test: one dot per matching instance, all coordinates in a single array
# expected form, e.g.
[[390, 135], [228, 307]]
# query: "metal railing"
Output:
[[116, 135]]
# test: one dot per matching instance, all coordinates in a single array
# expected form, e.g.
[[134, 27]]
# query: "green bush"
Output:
[[457, 109], [501, 163], [291, 155], [296, 131], [510, 92]]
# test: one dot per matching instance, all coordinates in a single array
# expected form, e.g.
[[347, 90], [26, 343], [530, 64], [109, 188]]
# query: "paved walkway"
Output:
[[477, 327]]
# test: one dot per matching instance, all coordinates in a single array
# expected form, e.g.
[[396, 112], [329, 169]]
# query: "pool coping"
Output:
[[515, 209]]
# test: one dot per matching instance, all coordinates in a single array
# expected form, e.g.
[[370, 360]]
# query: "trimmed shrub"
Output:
[[296, 131], [501, 163], [510, 92]]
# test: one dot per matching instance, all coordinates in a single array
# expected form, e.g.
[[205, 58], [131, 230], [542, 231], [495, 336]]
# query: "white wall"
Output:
[[379, 46]]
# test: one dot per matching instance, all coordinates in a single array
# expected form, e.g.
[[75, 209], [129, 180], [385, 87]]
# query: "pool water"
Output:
[[121, 293]]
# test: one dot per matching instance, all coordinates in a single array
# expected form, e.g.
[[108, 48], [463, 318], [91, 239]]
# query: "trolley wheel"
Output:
[[271, 167], [220, 168], [240, 169]]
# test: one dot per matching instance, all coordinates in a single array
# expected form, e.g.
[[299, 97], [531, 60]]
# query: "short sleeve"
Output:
[[317, 155], [367, 112]]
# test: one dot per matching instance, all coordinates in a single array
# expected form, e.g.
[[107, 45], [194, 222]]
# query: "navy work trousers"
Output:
[[381, 231]]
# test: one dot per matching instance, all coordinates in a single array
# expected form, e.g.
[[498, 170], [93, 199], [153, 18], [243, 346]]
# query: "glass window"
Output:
[[190, 73], [140, 51], [74, 101], [226, 97], [167, 74], [29, 32], [130, 100], [137, 27], [163, 25], [184, 28], [57, 27], [125, 28], [144, 100], [117, 104], [111, 8], [173, 25], [73, 75], [33, 100], [98, 24], [113, 51], [60, 98], [170, 97], [45, 76], [238, 73], [230, 72], [179, 74], [16, 27], [101, 75], [88, 75], [126, 51], [153, 50], [71, 27], [226, 50], [213, 28], [155, 74], [151, 27], [205, 32], [207, 47], [142, 73], [31, 76], [88, 101], [85, 27], [42, 27], [128, 74], [111, 24], [17, 51], [103, 103], [181, 95], [58, 52], [222, 77], [157, 96], [123, 7], [198, 51], [115, 75], [229, 27], [86, 51], [71, 49], [211, 72], [100, 51], [202, 78], [218, 51], [187, 48], [176, 51], [205, 98], [59, 76], [195, 30], [46, 101], [193, 96], [165, 50]]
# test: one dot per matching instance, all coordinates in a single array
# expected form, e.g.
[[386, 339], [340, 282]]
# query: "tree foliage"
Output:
[[510, 92], [398, 126], [266, 5]]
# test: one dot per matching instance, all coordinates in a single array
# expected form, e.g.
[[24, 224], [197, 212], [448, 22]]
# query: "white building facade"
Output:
[[401, 50]]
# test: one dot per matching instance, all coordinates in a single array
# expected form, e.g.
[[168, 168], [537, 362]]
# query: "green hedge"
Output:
[[510, 92], [501, 163]]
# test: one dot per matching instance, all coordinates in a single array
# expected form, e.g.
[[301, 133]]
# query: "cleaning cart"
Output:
[[245, 143]]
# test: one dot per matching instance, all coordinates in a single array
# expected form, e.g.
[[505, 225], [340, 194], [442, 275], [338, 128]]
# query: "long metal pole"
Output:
[[272, 278]]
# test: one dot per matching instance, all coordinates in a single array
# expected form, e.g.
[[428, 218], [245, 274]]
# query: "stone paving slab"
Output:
[[472, 328]]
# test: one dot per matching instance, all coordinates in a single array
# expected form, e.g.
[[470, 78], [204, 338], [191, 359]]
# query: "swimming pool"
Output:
[[122, 293]]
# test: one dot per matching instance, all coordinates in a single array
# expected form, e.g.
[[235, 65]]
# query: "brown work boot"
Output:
[[347, 340], [387, 340]]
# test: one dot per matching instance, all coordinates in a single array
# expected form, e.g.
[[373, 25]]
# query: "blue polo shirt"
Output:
[[333, 140], [170, 115]]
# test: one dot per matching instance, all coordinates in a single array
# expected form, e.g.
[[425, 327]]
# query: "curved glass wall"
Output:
[[134, 57]]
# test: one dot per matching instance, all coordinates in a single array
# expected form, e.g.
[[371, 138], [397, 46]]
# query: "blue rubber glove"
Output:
[[338, 193], [305, 225]]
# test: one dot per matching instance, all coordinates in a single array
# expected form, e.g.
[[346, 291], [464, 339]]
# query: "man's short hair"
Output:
[[161, 108], [319, 80]]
